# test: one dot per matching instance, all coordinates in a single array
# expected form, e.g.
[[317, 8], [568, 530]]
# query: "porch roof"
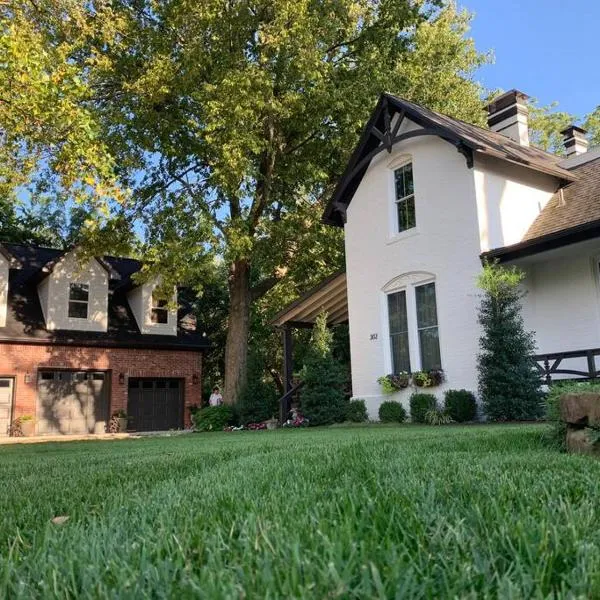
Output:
[[330, 296]]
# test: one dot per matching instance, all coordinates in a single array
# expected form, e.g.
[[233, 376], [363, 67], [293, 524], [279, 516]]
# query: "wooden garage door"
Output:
[[6, 395], [72, 402], [155, 404]]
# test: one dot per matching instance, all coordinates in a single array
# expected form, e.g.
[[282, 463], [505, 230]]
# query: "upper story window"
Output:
[[79, 294], [405, 197], [160, 310]]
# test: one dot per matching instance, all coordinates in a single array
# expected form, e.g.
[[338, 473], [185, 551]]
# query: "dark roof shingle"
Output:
[[578, 203]]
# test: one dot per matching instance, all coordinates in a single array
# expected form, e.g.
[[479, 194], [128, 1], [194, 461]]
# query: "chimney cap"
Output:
[[572, 130], [505, 100]]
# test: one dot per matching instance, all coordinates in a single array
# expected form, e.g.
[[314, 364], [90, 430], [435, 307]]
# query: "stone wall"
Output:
[[581, 414]]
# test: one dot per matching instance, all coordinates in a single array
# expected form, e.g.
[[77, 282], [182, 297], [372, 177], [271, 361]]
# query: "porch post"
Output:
[[288, 357]]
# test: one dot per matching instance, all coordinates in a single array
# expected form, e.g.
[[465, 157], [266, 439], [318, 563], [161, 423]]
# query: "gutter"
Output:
[[550, 241]]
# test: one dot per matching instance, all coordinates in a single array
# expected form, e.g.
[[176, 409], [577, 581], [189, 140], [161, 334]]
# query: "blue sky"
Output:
[[545, 48]]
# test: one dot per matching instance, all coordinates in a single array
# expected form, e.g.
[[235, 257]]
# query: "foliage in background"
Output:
[[213, 418], [509, 384], [52, 146], [258, 400], [357, 411], [323, 396], [392, 412], [420, 404], [546, 124], [461, 405], [558, 430]]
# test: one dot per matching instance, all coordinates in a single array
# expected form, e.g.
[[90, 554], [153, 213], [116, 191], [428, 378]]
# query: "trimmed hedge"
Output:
[[460, 405], [213, 418], [420, 405], [392, 412], [357, 411]]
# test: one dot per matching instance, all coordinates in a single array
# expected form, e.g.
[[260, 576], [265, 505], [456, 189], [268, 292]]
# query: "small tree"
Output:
[[509, 385], [258, 400], [323, 398]]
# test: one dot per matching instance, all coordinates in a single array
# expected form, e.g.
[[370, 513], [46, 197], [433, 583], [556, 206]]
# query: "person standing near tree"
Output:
[[215, 398]]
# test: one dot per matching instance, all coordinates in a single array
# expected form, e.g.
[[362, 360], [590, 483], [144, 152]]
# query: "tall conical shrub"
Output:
[[509, 384], [323, 398]]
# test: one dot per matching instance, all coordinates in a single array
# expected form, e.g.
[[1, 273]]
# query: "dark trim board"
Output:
[[104, 344], [551, 241]]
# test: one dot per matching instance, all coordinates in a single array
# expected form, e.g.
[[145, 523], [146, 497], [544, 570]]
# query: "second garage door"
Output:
[[155, 404], [72, 402]]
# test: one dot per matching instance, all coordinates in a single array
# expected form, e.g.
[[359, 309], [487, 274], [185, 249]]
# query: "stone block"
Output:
[[580, 409]]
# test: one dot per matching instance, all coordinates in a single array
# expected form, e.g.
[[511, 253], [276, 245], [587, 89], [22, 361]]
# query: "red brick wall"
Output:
[[18, 360]]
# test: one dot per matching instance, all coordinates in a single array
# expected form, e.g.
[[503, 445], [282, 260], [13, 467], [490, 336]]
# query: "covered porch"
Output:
[[329, 296]]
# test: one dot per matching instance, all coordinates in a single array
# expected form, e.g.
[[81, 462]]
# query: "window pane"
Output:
[[406, 213], [400, 190], [79, 291], [404, 181], [78, 310], [430, 349], [398, 332], [400, 352], [429, 343], [160, 315], [397, 312], [426, 311], [409, 187]]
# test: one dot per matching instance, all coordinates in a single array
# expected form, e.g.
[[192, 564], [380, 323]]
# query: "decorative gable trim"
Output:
[[379, 135]]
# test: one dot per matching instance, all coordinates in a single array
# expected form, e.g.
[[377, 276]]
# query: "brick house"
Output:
[[80, 341]]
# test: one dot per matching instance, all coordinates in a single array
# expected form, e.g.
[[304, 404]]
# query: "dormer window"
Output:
[[405, 197], [160, 310], [78, 300]]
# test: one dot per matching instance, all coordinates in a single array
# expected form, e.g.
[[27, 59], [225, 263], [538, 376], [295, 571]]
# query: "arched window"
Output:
[[412, 322]]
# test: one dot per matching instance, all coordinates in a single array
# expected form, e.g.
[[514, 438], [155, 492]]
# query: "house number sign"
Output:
[[373, 336]]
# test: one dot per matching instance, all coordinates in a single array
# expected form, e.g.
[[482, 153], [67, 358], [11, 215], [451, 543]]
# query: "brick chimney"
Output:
[[508, 114], [574, 140]]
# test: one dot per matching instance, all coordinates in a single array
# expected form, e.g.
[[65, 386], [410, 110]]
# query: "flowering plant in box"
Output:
[[394, 382]]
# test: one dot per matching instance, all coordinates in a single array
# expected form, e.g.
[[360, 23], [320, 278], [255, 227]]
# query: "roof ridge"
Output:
[[484, 129]]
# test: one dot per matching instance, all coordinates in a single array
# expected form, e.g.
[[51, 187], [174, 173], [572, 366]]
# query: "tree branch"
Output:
[[261, 288]]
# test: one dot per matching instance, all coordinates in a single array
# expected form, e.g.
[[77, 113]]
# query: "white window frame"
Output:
[[85, 302], [408, 283], [155, 307], [394, 233]]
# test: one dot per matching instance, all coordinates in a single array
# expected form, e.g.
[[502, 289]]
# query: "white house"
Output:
[[424, 199]]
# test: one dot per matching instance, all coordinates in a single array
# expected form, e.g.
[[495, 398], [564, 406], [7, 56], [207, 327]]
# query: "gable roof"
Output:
[[468, 139], [51, 264], [572, 215], [25, 321]]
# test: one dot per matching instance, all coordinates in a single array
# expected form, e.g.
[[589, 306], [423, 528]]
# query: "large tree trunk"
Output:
[[236, 346]]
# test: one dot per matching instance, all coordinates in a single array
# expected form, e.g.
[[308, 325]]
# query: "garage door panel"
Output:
[[72, 402], [155, 404]]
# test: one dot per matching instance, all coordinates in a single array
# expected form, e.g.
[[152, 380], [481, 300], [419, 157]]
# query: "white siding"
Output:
[[4, 270], [140, 301], [509, 198], [444, 245], [562, 306], [53, 293]]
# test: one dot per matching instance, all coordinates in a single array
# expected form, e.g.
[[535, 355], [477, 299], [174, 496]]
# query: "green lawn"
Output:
[[373, 512]]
